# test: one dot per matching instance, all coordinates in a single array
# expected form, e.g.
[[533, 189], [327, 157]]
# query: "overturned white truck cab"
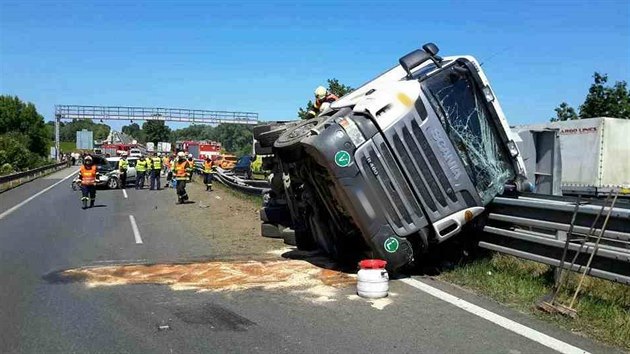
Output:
[[405, 161]]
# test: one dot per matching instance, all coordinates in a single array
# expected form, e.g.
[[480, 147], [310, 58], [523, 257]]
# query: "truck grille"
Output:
[[395, 197], [421, 165]]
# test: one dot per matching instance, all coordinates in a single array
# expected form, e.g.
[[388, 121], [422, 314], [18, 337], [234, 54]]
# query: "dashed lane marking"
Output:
[[24, 202], [506, 323], [134, 227], [125, 193]]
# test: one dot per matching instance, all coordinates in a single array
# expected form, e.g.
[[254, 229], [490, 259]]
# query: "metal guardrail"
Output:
[[242, 185], [15, 179], [536, 228]]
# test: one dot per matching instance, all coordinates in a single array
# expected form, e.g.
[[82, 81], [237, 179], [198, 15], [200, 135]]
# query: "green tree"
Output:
[[236, 139], [564, 112], [68, 130], [606, 101], [334, 87], [15, 154], [134, 131], [156, 131], [193, 132], [22, 118]]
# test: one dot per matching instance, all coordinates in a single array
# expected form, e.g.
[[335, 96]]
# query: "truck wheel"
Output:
[[289, 237], [270, 231], [267, 139], [259, 150], [288, 143], [113, 183]]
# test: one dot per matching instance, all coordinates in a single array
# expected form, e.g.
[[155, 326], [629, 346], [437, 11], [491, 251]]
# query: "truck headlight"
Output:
[[352, 130]]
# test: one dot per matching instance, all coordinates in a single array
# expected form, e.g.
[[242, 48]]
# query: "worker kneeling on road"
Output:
[[141, 170], [156, 169], [181, 167], [207, 173], [87, 176]]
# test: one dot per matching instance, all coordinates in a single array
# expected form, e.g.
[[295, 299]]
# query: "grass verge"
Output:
[[256, 200], [603, 307]]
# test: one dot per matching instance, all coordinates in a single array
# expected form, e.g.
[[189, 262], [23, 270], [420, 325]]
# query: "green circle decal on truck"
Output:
[[342, 158], [391, 245]]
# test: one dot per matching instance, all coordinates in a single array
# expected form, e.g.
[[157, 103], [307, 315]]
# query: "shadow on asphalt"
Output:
[[321, 260]]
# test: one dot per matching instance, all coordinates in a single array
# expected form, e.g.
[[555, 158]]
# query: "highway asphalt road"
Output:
[[41, 314]]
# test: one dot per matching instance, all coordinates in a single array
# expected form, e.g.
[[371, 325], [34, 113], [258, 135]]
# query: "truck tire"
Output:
[[289, 237], [259, 129], [259, 150], [270, 230], [267, 138], [288, 143]]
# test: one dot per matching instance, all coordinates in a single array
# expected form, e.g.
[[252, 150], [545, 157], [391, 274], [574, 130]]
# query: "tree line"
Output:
[[235, 139], [23, 136], [601, 100]]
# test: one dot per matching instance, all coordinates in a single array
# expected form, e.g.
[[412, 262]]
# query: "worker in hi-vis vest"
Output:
[[207, 173], [156, 169], [87, 176], [141, 170], [180, 173]]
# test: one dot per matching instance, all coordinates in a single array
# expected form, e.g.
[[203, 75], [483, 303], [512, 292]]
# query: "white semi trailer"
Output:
[[595, 154]]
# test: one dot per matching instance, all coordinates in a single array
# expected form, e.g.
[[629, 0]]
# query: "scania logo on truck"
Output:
[[446, 153]]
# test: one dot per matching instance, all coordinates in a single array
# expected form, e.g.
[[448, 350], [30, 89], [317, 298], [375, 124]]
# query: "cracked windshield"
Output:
[[465, 117]]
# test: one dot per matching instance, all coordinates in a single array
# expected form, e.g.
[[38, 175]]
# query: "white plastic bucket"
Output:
[[372, 279]]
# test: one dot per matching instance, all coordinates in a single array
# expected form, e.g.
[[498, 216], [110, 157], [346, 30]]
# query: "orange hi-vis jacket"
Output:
[[88, 175], [181, 170], [207, 167]]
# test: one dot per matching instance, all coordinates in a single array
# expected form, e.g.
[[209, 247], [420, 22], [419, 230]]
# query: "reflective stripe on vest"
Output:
[[88, 175], [157, 163], [141, 166], [207, 167], [181, 170]]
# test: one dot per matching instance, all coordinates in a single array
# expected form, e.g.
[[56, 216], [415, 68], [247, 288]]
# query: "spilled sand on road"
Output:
[[297, 276]]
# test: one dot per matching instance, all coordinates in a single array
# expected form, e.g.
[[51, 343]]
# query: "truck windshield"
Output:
[[461, 107]]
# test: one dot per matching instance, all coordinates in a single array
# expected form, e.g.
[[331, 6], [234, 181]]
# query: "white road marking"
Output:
[[125, 193], [508, 324], [18, 206], [134, 227]]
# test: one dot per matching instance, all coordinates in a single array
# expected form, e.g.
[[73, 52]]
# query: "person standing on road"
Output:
[[123, 165], [147, 176], [322, 98], [207, 173], [141, 170], [87, 176], [156, 169], [191, 167], [180, 173], [166, 162]]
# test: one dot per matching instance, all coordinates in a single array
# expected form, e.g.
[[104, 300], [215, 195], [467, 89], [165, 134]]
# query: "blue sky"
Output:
[[267, 57]]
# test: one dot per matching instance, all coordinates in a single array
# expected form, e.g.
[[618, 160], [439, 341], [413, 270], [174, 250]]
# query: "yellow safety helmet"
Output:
[[320, 92]]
